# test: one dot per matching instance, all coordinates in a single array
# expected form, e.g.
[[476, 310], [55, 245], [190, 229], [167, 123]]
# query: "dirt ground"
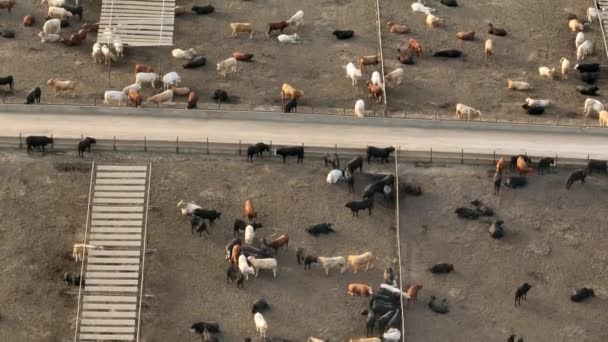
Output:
[[258, 83], [553, 240], [538, 35]]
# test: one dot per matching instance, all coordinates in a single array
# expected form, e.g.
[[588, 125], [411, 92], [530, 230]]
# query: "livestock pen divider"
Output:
[[207, 146]]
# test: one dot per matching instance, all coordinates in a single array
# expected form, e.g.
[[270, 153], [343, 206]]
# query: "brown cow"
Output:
[[242, 56], [415, 46], [501, 164], [290, 92], [359, 289], [234, 256], [28, 20], [375, 91], [192, 100], [8, 4], [282, 240], [143, 68], [281, 25], [250, 210], [522, 166], [466, 35], [135, 97], [363, 61], [88, 27], [412, 292]]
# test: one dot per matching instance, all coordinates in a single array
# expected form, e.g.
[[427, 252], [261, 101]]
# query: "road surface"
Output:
[[345, 134]]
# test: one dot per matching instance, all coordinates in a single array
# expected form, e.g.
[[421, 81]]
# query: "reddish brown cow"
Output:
[[250, 210], [28, 20], [281, 25], [242, 56], [192, 100], [282, 240], [135, 97], [412, 292], [375, 91], [359, 290], [143, 68], [415, 46], [8, 4], [234, 256]]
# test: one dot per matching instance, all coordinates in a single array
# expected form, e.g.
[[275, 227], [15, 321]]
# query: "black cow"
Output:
[[521, 292], [75, 10], [8, 80], [482, 209], [370, 322], [355, 163], [291, 151], [544, 165], [580, 295], [64, 23], [263, 252], [8, 33], [231, 273], [232, 243], [371, 189], [200, 327], [497, 182], [438, 307], [589, 67], [72, 279], [395, 321], [37, 142], [349, 178], [597, 165], [210, 215], [220, 95], [195, 62], [260, 306], [576, 176], [291, 106], [198, 225], [309, 260], [300, 254], [513, 336], [343, 34], [381, 153], [589, 77], [203, 9], [496, 230], [515, 182], [467, 213], [450, 3], [321, 228], [449, 53], [440, 268], [241, 225], [533, 110], [33, 96], [355, 206], [588, 90], [85, 144], [257, 150]]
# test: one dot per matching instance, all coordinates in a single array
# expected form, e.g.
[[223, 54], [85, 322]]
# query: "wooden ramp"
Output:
[[138, 22], [109, 304], [603, 20]]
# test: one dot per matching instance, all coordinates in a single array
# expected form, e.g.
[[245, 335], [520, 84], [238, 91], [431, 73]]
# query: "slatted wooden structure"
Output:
[[138, 22], [109, 304], [603, 20]]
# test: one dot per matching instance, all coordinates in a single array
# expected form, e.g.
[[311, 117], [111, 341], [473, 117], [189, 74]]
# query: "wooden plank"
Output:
[[98, 281], [87, 329], [133, 289], [93, 321], [121, 175], [148, 5], [98, 260], [115, 230], [115, 243], [100, 337], [113, 252], [116, 209], [119, 194], [135, 32], [113, 299], [120, 181], [115, 236], [116, 223], [112, 267], [117, 275], [124, 19], [120, 188], [118, 200], [122, 167], [101, 306], [145, 43], [116, 216], [145, 28]]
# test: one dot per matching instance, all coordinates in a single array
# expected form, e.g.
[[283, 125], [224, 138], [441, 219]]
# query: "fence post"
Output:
[[177, 145], [462, 156], [114, 146], [336, 149], [494, 157], [94, 101], [145, 144], [431, 154], [207, 145], [270, 147], [20, 142], [53, 143], [556, 160], [239, 147]]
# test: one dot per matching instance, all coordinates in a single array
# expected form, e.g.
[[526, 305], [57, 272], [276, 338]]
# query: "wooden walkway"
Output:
[[109, 305], [138, 22], [603, 19]]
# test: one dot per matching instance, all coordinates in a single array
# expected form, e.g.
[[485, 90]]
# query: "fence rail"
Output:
[[346, 109], [239, 148]]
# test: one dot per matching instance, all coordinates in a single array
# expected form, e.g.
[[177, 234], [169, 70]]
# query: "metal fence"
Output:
[[345, 109], [239, 148]]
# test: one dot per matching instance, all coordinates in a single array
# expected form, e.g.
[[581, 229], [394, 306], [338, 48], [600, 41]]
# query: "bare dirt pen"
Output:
[[554, 240], [312, 66], [538, 35]]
